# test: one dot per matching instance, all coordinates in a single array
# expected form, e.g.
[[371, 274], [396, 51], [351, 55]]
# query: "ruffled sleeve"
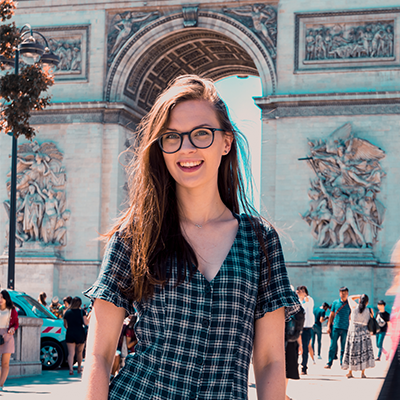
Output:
[[275, 292], [115, 275]]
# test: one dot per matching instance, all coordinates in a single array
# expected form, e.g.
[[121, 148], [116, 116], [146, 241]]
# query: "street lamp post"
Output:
[[31, 51]]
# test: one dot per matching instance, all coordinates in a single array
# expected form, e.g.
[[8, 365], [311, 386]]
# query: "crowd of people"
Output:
[[349, 319], [76, 321]]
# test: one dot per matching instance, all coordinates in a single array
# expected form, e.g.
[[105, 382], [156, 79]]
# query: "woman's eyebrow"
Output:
[[198, 126]]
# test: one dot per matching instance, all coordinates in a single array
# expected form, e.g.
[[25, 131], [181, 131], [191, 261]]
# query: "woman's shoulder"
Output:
[[257, 223]]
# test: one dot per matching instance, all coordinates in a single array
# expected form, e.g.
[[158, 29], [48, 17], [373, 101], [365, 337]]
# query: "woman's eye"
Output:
[[201, 132], [172, 136]]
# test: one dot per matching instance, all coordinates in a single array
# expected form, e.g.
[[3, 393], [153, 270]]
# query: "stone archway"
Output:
[[218, 47]]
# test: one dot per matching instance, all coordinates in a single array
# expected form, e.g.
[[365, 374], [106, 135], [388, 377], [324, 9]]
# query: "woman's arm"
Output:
[[65, 324], [86, 319], [104, 331], [14, 323], [269, 355], [300, 343]]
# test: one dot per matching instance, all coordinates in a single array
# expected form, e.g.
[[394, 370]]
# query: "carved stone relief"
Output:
[[262, 19], [344, 208], [124, 25], [71, 44], [41, 198], [70, 53], [367, 40], [346, 40]]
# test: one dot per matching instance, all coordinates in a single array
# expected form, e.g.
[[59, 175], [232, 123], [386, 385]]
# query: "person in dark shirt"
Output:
[[74, 321], [320, 317], [383, 319], [338, 324]]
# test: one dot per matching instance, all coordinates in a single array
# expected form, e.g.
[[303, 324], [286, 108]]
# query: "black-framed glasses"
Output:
[[201, 138]]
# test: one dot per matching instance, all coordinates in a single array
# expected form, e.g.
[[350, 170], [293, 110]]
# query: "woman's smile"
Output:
[[190, 166]]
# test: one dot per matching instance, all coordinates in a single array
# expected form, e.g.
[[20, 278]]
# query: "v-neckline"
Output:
[[229, 252]]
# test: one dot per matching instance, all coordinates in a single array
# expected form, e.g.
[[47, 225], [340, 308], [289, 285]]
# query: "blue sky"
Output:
[[238, 95]]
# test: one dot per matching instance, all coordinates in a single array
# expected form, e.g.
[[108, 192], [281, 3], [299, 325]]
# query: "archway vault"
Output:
[[217, 47], [190, 51]]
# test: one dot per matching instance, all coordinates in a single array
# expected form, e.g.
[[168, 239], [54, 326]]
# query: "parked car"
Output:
[[53, 349]]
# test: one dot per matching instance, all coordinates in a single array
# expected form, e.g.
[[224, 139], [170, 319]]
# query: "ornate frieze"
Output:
[[71, 44], [41, 198], [124, 25], [349, 41], [341, 40], [344, 207], [329, 104], [262, 19]]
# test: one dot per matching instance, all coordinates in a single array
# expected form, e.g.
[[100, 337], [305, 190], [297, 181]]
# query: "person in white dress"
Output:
[[358, 352]]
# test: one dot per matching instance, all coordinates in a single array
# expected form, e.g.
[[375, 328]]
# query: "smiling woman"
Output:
[[208, 283]]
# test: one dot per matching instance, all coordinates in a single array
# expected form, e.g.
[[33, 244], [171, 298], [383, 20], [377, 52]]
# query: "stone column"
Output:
[[26, 359]]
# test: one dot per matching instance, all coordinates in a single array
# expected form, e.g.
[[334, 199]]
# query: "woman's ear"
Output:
[[228, 139]]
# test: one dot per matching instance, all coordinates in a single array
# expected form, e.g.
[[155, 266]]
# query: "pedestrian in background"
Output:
[[208, 283], [358, 353], [293, 346], [307, 303], [75, 320], [383, 320], [55, 307], [66, 304], [42, 299], [338, 325], [8, 326], [320, 317]]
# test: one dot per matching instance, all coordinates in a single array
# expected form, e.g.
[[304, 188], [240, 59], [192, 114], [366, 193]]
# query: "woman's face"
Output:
[[2, 301], [191, 167]]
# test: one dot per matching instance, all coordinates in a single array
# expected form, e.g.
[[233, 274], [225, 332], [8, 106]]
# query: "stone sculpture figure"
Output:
[[33, 213], [310, 42], [350, 222], [344, 210], [50, 214], [41, 199], [122, 27], [20, 236], [264, 21]]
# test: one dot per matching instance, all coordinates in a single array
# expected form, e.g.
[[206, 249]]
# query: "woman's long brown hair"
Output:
[[151, 223]]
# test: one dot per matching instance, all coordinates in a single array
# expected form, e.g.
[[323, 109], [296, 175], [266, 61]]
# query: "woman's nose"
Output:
[[186, 144]]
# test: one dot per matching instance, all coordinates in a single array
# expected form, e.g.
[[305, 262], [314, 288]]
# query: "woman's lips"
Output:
[[190, 166]]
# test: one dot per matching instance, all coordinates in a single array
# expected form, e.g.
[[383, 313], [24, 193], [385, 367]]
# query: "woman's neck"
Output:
[[199, 206], [2, 308]]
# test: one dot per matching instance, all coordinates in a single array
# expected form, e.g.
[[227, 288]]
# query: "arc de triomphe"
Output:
[[330, 96]]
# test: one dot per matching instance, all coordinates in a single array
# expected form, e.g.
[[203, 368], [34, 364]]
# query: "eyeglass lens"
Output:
[[200, 138]]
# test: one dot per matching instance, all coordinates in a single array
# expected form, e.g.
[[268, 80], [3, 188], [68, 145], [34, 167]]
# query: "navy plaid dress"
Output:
[[196, 339]]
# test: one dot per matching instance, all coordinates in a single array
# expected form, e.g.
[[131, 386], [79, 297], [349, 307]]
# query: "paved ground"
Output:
[[319, 384]]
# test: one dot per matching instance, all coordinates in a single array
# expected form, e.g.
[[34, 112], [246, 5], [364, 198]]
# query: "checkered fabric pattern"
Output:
[[196, 339]]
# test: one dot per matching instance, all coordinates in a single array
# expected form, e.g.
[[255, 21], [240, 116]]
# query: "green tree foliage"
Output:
[[19, 94]]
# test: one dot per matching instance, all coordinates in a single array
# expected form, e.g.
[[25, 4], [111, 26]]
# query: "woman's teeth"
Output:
[[190, 164]]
